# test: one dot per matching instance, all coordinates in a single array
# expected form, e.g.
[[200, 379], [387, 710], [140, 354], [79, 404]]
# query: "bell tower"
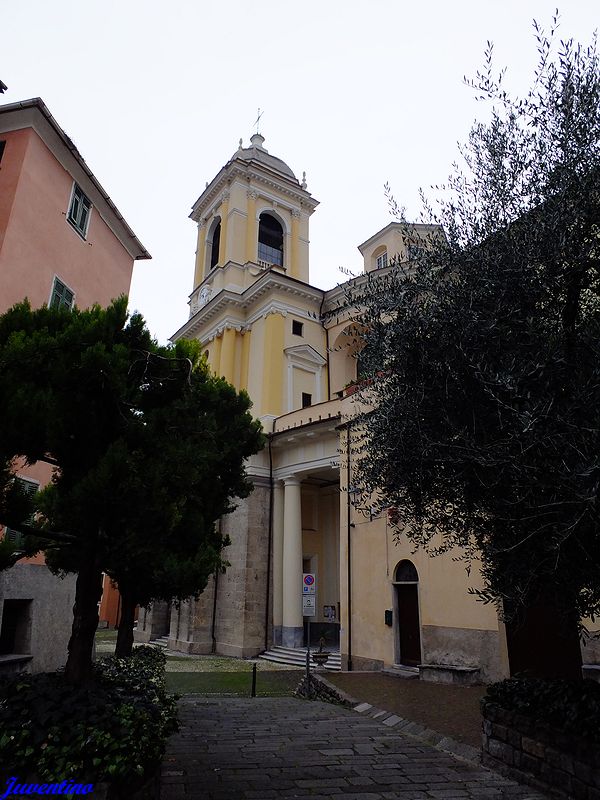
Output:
[[252, 307], [253, 216]]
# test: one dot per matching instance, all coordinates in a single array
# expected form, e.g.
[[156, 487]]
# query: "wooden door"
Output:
[[409, 631]]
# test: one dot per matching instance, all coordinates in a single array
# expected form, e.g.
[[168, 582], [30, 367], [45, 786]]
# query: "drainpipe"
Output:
[[214, 613], [326, 347], [214, 608], [270, 542], [349, 559]]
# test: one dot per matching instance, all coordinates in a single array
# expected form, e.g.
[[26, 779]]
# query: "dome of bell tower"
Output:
[[257, 152]]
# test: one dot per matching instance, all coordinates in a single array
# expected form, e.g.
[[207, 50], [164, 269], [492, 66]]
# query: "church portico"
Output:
[[305, 535]]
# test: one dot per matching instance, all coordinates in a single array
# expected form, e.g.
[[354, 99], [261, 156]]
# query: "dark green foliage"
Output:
[[573, 708], [483, 430], [150, 449], [114, 729]]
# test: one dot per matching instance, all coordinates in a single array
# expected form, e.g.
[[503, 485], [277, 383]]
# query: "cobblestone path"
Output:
[[230, 748]]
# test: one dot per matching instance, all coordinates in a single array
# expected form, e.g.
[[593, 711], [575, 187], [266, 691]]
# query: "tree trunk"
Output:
[[88, 591], [543, 640], [125, 634]]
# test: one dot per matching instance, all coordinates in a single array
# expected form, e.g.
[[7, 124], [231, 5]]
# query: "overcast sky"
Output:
[[156, 95]]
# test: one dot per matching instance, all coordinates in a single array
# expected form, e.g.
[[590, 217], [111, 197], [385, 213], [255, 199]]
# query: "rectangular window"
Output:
[[297, 327], [79, 211], [306, 399], [61, 296], [2, 146], [382, 261]]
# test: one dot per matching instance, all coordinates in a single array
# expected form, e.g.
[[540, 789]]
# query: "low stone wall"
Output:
[[450, 673], [540, 756], [322, 689]]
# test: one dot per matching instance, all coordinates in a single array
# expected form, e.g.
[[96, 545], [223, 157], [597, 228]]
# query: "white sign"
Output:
[[309, 606], [309, 583]]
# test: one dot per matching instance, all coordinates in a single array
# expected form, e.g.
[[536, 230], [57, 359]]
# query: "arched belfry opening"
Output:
[[407, 626], [270, 240], [215, 244]]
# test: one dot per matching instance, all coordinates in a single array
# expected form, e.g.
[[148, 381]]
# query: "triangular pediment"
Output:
[[305, 353]]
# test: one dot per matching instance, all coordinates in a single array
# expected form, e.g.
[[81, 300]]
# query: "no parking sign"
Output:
[[309, 584]]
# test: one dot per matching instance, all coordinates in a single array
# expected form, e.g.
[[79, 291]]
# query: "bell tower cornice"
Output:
[[257, 179]]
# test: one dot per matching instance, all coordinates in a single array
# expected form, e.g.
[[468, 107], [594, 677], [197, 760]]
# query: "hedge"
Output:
[[572, 707], [112, 730]]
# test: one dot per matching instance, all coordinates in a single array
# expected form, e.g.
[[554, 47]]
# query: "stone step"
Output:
[[162, 641], [402, 671], [296, 656]]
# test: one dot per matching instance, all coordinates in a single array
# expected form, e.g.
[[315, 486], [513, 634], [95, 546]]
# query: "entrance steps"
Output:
[[296, 657], [162, 641]]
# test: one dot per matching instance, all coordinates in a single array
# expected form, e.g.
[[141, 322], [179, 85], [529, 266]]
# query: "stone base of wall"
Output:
[[590, 648], [360, 663], [464, 647], [591, 672], [539, 756]]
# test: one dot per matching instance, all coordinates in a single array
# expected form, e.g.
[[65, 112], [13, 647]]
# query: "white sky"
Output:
[[156, 94]]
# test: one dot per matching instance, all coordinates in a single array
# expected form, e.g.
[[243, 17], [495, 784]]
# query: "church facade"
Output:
[[267, 330]]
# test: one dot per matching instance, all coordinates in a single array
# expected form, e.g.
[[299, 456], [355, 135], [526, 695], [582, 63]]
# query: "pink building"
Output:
[[62, 242]]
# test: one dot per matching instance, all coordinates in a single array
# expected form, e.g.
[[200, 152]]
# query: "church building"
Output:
[[291, 346]]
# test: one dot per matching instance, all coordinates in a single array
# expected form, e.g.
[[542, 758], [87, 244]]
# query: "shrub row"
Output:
[[113, 729], [573, 707]]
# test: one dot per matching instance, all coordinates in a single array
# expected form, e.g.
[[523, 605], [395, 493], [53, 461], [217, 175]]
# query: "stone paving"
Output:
[[261, 748]]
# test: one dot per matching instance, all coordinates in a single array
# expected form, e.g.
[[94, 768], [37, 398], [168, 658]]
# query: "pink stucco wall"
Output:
[[37, 242]]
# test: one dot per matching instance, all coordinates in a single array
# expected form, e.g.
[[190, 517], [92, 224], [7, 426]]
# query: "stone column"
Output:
[[292, 632], [277, 561]]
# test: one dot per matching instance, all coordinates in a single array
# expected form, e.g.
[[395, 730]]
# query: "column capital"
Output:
[[292, 480]]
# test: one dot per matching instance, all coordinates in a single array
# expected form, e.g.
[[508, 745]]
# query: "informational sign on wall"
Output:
[[309, 606], [309, 583]]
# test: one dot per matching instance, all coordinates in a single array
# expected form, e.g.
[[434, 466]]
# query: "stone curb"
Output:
[[414, 729]]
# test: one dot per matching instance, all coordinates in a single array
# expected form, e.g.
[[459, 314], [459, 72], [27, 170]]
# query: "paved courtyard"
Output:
[[230, 748]]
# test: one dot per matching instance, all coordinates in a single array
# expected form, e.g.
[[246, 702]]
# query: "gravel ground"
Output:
[[451, 710]]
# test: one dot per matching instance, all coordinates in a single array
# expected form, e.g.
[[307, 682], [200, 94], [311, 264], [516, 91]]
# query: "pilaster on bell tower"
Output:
[[253, 216]]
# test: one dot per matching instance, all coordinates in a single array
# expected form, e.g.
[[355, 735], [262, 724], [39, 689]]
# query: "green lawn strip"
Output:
[[106, 635], [268, 684]]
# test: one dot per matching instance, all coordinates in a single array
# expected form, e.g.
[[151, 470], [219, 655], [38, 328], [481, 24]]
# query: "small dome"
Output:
[[256, 152]]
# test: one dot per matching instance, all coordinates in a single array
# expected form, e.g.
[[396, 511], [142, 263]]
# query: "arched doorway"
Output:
[[407, 628]]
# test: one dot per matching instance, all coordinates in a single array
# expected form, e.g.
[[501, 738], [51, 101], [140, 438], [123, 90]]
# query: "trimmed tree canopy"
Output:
[[150, 450]]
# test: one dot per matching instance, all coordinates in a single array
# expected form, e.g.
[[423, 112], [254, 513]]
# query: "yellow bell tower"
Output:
[[252, 306], [254, 213]]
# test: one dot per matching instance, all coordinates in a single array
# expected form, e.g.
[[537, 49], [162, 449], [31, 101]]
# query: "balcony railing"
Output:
[[329, 409]]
